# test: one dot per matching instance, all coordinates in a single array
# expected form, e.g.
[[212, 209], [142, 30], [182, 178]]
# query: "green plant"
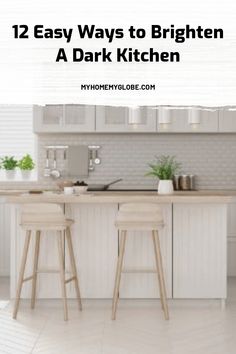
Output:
[[26, 163], [164, 168], [9, 163]]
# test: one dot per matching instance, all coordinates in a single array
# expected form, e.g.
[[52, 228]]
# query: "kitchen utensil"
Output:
[[184, 182], [176, 182], [47, 170], [64, 171], [78, 161], [80, 189], [96, 159], [91, 167], [102, 187], [64, 183], [35, 191], [192, 182], [68, 190], [55, 173]]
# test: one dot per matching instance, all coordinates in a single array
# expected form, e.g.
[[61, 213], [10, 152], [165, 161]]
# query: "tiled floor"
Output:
[[195, 327]]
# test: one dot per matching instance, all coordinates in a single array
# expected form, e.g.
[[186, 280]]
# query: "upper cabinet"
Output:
[[75, 118], [125, 119], [227, 120], [64, 118], [183, 120]]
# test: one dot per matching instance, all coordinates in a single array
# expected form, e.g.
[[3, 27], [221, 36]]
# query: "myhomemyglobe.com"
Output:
[[119, 87]]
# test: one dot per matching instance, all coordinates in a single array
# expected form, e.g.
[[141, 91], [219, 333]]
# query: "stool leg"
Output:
[[22, 272], [160, 272], [35, 268], [73, 266], [118, 274], [62, 274]]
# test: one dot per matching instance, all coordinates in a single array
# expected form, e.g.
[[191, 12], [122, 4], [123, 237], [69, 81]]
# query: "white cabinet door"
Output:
[[116, 119], [199, 251], [231, 231], [95, 241], [208, 122], [179, 122], [79, 118], [139, 254], [48, 118], [64, 119], [111, 119], [227, 120]]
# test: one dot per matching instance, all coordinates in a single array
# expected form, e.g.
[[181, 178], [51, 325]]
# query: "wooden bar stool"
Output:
[[46, 217], [146, 217]]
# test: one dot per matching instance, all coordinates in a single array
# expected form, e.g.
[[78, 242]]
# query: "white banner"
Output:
[[203, 72]]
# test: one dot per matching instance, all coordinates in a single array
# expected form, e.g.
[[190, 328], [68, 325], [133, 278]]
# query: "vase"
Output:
[[26, 174], [165, 187], [10, 174]]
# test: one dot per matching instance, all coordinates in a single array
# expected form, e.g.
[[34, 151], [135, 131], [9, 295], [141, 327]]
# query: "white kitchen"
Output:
[[126, 211]]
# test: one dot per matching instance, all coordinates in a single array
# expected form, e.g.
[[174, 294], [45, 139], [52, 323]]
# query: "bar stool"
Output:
[[140, 216], [46, 217]]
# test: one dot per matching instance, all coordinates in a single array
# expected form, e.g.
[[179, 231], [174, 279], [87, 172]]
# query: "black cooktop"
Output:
[[131, 190]]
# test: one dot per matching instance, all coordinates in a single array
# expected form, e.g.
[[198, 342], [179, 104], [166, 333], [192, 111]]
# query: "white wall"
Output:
[[4, 239]]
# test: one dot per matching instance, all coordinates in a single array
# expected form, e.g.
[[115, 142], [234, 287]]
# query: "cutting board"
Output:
[[78, 161]]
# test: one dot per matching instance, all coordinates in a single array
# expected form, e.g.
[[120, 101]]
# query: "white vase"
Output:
[[165, 187], [26, 174], [10, 174]]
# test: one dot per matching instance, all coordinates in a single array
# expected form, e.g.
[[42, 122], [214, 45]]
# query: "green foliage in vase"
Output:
[[164, 168], [26, 163], [9, 163]]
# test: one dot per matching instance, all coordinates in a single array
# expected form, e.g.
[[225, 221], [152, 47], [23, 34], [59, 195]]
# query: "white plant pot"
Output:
[[26, 174], [10, 174], [165, 187]]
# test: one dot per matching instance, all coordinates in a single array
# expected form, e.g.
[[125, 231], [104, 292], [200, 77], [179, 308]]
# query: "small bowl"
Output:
[[64, 183], [80, 189]]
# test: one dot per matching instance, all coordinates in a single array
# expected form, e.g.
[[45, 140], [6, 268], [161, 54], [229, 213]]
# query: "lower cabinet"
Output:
[[231, 233], [199, 251], [95, 241], [139, 254], [4, 239], [193, 242]]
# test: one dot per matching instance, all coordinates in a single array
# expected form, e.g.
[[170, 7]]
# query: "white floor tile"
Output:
[[195, 327]]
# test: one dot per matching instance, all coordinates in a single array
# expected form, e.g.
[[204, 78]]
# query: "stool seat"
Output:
[[50, 225], [140, 217], [138, 221]]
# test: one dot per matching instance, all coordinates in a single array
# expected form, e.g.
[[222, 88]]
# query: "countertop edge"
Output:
[[115, 198]]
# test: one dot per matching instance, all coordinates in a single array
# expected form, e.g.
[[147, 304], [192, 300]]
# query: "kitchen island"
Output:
[[193, 241]]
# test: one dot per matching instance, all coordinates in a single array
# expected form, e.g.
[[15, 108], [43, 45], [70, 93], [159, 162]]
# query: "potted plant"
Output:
[[164, 169], [9, 164], [26, 165]]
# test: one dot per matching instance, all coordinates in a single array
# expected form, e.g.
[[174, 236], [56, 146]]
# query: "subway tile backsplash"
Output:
[[211, 157]]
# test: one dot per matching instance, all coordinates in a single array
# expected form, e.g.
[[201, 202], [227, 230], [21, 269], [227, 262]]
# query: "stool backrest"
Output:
[[43, 213]]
